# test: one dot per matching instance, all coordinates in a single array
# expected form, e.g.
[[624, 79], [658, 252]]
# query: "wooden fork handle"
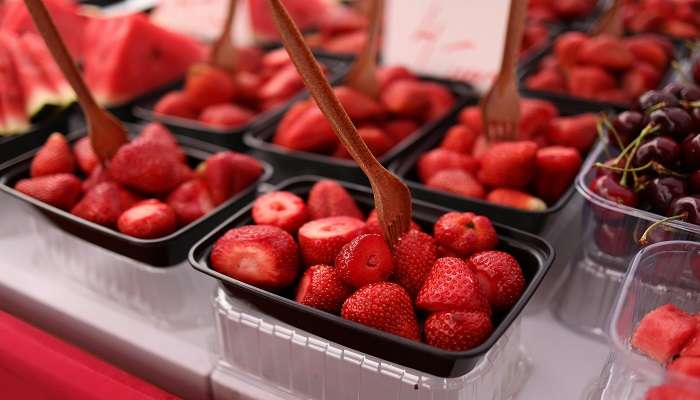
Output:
[[362, 75], [514, 37], [320, 89], [60, 53], [224, 39]]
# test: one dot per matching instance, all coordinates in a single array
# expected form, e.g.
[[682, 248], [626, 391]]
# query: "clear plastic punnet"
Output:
[[608, 240], [667, 272], [278, 361]]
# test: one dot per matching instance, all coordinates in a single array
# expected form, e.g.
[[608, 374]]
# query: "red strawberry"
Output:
[[98, 175], [535, 116], [372, 224], [296, 111], [148, 219], [614, 96], [104, 204], [508, 164], [54, 157], [406, 98], [572, 8], [85, 155], [339, 20], [321, 240], [358, 106], [159, 133], [547, 79], [59, 190], [399, 129], [607, 52], [284, 210], [439, 159], [587, 81], [207, 85], [647, 50], [190, 201], [459, 138], [457, 330], [557, 167], [226, 115], [516, 199], [377, 141], [641, 78], [440, 100], [456, 181], [452, 286], [680, 29], [247, 84], [465, 233], [260, 255], [321, 288], [284, 84], [500, 278], [388, 75], [471, 118], [176, 104], [328, 198], [275, 59], [310, 131], [414, 256], [567, 47], [146, 166], [228, 172], [385, 306], [578, 131], [365, 259]]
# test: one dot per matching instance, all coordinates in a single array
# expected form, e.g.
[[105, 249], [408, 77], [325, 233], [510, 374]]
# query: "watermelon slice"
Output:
[[126, 57], [35, 47], [663, 332], [11, 99]]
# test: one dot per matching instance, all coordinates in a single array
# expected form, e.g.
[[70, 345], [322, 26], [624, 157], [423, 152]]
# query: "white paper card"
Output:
[[457, 39]]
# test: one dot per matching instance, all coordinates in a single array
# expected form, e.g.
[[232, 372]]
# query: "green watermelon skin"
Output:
[[126, 57], [11, 100], [35, 48]]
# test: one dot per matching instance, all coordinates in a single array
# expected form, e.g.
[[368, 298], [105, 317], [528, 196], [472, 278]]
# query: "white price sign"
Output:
[[456, 39]]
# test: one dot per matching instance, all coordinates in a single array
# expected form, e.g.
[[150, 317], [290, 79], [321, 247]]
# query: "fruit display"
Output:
[[557, 11], [676, 18], [530, 173], [447, 288], [535, 36], [602, 68], [147, 190], [341, 29], [405, 104]]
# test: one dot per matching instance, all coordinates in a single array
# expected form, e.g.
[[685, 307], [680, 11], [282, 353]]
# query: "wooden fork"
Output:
[[363, 73], [106, 133], [223, 50], [392, 198], [610, 22], [500, 106]]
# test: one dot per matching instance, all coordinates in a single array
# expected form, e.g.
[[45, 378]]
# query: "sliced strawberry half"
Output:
[[284, 210], [321, 240]]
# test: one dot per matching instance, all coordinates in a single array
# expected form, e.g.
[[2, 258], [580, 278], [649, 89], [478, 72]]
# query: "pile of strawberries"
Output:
[[147, 190], [603, 67], [404, 105], [553, 11], [341, 29], [455, 278], [222, 99], [677, 18], [528, 173], [535, 36]]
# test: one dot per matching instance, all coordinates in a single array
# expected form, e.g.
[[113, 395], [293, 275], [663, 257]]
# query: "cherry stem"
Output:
[[618, 169], [604, 120], [694, 104], [655, 107], [662, 170], [649, 129], [644, 240]]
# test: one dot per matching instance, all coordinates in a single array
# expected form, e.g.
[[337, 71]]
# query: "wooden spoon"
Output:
[[106, 133], [391, 196], [610, 22], [363, 74], [223, 51]]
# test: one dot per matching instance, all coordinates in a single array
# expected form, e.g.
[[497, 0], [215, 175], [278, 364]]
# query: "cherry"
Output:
[[694, 182], [647, 234], [662, 149], [695, 114], [610, 189], [683, 91], [654, 97], [696, 71], [691, 151], [660, 192], [627, 124], [688, 205], [613, 239], [673, 121]]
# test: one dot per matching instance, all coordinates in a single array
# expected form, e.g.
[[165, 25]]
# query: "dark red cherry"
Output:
[[610, 189], [694, 182], [673, 121], [658, 233], [627, 124], [690, 148], [683, 91], [662, 149], [696, 71], [614, 240], [655, 97], [688, 205], [660, 192]]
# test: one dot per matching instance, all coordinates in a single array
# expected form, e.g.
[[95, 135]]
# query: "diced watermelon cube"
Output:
[[692, 349], [664, 332], [671, 392], [689, 366]]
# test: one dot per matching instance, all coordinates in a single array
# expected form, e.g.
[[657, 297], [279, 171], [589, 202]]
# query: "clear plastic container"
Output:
[[661, 273], [286, 363], [605, 250]]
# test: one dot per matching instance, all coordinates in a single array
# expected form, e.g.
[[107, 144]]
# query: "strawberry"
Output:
[[500, 278], [227, 173], [459, 138], [647, 50], [158, 133], [311, 131], [456, 181], [457, 330], [58, 190], [327, 198], [516, 199], [372, 224], [548, 80], [471, 118], [176, 104], [321, 240], [535, 116], [385, 306], [406, 98], [439, 159], [481, 146], [148, 219], [54, 157], [104, 204], [284, 210], [247, 84], [190, 201], [349, 43], [388, 75], [399, 129], [283, 84], [275, 59], [508, 164], [567, 47], [614, 96], [587, 82], [607, 52], [557, 167], [465, 233], [567, 9], [578, 131], [321, 288], [377, 141], [414, 256], [207, 85], [226, 115], [296, 111], [365, 259], [85, 155], [358, 106], [259, 255], [639, 79], [146, 166], [680, 29], [339, 20], [98, 175], [440, 100], [452, 286]]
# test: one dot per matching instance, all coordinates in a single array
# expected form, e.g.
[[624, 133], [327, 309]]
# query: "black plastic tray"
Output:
[[227, 137], [161, 252], [531, 221], [302, 162], [12, 146], [533, 253]]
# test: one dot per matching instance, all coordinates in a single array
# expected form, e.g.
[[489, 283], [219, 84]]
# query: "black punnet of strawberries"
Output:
[[455, 277]]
